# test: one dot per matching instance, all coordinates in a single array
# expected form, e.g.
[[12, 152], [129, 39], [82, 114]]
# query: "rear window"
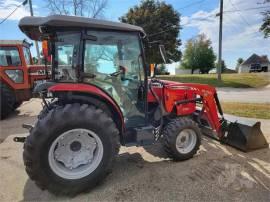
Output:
[[9, 56]]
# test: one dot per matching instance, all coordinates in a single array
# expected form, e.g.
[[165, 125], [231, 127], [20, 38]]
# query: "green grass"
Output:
[[251, 110], [252, 80]]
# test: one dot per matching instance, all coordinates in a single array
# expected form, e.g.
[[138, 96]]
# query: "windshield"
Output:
[[112, 51]]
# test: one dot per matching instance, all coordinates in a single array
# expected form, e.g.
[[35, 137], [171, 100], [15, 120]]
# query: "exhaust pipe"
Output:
[[245, 136]]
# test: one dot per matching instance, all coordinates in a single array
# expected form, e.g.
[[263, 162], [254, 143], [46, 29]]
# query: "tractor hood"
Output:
[[31, 25], [193, 85]]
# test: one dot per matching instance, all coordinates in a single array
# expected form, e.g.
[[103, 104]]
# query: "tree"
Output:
[[199, 54], [87, 8], [239, 61], [161, 24], [265, 27]]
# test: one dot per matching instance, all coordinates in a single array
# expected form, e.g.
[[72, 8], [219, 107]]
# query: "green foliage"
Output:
[[254, 80], [239, 61], [35, 60], [265, 27], [252, 110], [199, 54], [161, 24]]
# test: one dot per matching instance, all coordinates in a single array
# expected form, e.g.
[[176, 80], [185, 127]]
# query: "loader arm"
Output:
[[211, 107], [246, 136]]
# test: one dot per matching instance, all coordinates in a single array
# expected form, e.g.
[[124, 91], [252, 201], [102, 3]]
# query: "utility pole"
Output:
[[36, 43], [220, 40]]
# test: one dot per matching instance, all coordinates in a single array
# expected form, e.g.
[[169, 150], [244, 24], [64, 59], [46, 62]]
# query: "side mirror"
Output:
[[46, 50], [163, 53]]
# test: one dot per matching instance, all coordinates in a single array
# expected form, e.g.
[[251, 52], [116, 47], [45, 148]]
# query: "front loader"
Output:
[[101, 98]]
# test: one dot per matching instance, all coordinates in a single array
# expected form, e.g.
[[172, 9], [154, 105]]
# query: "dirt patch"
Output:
[[26, 113]]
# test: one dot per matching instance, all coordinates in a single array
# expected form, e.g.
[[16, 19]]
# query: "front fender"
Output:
[[88, 89], [42, 87]]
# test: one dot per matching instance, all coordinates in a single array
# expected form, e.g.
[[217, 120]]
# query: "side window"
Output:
[[27, 56], [9, 56], [66, 55]]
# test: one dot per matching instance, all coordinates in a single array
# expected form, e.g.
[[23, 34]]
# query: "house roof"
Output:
[[29, 24], [254, 58]]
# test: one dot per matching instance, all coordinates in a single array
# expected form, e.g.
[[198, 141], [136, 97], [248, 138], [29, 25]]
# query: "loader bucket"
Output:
[[245, 136]]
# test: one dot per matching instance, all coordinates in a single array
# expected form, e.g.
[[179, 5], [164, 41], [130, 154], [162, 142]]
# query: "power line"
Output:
[[191, 4], [201, 19], [225, 12], [243, 19], [247, 9], [18, 6]]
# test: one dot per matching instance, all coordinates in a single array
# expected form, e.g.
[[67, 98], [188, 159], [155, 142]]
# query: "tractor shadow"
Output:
[[141, 173]]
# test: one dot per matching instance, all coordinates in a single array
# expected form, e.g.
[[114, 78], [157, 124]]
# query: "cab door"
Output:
[[114, 60], [13, 67]]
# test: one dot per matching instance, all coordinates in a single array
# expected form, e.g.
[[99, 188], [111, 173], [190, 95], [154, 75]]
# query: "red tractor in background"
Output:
[[18, 74], [101, 97]]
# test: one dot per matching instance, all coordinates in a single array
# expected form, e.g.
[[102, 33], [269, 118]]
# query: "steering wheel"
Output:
[[122, 71]]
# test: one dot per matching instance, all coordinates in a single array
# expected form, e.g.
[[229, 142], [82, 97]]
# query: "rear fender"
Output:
[[90, 94]]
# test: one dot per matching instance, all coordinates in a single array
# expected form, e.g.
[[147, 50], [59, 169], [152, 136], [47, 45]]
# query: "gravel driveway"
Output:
[[216, 173]]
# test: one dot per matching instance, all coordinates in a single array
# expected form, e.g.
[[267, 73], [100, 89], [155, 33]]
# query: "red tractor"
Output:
[[101, 98], [18, 75]]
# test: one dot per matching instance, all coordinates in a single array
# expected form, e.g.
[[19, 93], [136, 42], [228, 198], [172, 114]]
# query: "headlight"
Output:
[[15, 75]]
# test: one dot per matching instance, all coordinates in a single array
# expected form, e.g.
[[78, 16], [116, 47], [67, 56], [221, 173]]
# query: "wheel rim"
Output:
[[186, 141], [75, 153]]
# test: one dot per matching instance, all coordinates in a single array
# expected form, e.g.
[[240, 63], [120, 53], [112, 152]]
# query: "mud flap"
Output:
[[245, 136]]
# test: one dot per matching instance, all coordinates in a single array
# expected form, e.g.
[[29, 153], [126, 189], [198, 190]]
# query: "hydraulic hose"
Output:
[[160, 105]]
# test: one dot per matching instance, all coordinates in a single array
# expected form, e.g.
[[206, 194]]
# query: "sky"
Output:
[[241, 37]]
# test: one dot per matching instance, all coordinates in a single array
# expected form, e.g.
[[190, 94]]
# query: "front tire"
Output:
[[182, 139], [71, 149]]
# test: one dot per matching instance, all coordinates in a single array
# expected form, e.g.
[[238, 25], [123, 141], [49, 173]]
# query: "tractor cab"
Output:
[[107, 55]]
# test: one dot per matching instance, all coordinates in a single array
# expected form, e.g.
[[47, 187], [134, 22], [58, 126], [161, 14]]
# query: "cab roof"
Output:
[[15, 42], [30, 25]]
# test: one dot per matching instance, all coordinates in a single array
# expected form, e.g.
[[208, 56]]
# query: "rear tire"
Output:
[[7, 100], [38, 148], [182, 139]]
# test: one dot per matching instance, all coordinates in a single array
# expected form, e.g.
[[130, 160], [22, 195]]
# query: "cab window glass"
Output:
[[100, 58], [9, 56], [66, 55], [111, 52], [113, 59], [27, 56]]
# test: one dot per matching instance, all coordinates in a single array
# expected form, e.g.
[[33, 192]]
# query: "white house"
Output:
[[255, 63], [186, 71]]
